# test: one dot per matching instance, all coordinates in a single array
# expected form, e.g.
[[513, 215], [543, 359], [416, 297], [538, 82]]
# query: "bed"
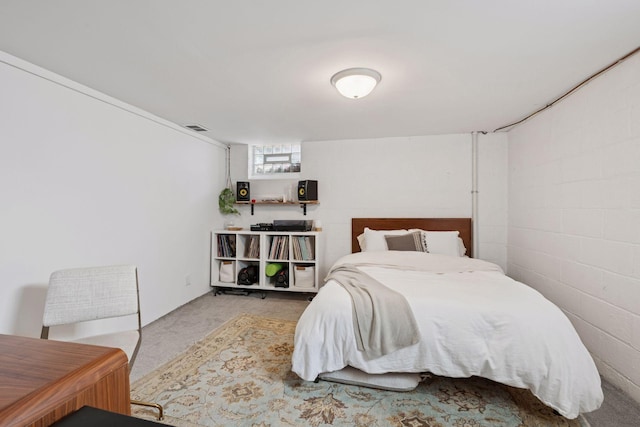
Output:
[[470, 319]]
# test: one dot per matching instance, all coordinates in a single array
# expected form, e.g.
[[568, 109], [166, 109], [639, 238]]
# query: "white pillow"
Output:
[[461, 248], [442, 242], [373, 240]]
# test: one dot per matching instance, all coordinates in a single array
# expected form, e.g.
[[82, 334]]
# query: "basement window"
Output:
[[274, 161]]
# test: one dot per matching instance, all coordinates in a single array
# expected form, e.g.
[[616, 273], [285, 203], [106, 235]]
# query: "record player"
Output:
[[292, 225]]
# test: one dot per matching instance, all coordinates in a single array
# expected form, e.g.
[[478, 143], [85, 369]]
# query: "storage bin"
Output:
[[227, 271], [304, 276]]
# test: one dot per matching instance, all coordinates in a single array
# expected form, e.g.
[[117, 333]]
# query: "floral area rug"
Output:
[[240, 375]]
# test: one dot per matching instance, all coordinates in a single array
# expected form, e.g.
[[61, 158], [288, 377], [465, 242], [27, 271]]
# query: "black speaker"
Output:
[[307, 190], [282, 279], [242, 191], [248, 275]]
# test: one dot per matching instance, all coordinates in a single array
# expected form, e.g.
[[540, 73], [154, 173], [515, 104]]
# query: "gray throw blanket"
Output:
[[382, 318]]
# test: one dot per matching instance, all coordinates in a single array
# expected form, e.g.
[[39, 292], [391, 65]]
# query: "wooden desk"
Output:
[[41, 381]]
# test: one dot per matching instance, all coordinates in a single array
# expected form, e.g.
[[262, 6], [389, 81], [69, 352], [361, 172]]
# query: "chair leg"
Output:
[[151, 405]]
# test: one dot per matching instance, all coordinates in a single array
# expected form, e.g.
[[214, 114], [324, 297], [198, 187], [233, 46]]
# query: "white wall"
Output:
[[574, 215], [86, 180], [426, 176], [492, 198]]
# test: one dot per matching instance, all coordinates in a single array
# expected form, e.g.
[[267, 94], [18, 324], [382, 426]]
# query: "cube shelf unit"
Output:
[[296, 252]]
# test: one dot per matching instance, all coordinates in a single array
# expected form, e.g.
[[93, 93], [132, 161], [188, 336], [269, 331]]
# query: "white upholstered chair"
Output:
[[90, 294]]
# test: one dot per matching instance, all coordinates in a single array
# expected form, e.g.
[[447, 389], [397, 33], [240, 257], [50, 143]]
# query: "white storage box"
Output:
[[304, 276], [227, 271]]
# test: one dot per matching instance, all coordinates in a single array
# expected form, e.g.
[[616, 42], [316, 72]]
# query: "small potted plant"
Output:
[[225, 203], [226, 199]]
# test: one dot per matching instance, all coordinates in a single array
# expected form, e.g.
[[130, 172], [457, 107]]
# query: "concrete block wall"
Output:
[[574, 215], [421, 176]]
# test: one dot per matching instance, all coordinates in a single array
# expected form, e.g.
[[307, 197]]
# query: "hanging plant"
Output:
[[226, 201]]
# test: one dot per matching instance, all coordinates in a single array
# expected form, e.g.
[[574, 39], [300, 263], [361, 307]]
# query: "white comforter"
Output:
[[473, 320]]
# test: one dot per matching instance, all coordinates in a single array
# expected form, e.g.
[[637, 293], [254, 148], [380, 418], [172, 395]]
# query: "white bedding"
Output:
[[473, 320]]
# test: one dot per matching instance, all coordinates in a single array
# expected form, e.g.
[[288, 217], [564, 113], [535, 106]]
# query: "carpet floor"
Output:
[[240, 375], [169, 336]]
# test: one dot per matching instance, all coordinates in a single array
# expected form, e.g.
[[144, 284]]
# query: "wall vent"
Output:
[[196, 128]]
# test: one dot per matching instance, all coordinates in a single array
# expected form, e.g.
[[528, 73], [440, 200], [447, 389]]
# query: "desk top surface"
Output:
[[30, 366]]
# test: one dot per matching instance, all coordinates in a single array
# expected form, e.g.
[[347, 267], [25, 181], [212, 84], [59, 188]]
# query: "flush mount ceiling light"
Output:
[[356, 83]]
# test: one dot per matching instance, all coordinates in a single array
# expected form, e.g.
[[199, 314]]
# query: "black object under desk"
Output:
[[93, 417]]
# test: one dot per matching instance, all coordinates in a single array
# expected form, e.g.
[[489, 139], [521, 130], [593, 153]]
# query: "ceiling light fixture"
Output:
[[356, 83]]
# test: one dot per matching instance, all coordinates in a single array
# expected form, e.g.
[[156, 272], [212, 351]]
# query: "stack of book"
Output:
[[226, 245], [303, 248], [279, 247], [252, 250]]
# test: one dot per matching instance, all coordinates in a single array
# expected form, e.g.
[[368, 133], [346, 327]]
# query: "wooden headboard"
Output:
[[463, 225]]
